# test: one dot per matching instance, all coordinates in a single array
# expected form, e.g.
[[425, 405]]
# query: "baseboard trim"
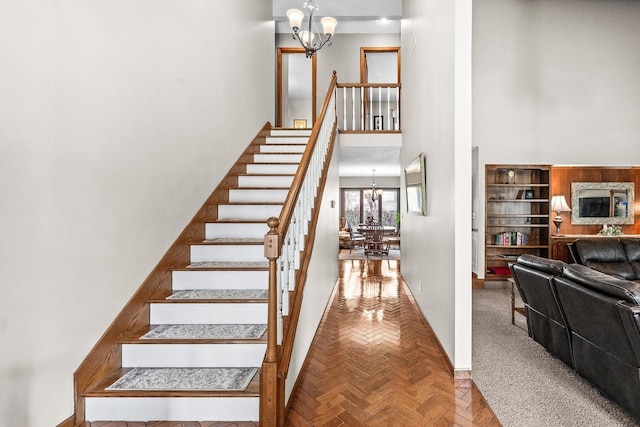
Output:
[[475, 282]]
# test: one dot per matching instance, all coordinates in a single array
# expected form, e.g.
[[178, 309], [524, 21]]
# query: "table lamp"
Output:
[[559, 204]]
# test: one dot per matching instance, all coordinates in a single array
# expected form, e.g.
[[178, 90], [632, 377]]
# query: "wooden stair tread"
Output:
[[252, 204], [232, 241], [258, 188], [238, 221], [209, 301], [241, 266], [262, 340], [271, 175]]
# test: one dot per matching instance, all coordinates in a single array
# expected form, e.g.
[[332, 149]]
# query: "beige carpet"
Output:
[[358, 254], [525, 385]]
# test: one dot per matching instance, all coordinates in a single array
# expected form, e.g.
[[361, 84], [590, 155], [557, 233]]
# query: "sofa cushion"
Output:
[[549, 266], [618, 288], [605, 255], [632, 250]]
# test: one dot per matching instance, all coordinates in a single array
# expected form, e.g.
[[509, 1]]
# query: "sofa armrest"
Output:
[[630, 318]]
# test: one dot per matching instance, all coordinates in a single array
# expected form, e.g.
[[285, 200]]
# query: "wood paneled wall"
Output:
[[563, 176]]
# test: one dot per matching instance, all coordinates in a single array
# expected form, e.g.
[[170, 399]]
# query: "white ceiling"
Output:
[[359, 161], [354, 16], [358, 16]]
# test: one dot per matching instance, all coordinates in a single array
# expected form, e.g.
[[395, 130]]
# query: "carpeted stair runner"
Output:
[[213, 332], [219, 294], [230, 265], [209, 379]]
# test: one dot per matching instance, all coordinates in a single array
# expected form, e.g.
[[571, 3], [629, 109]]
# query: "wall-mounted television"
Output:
[[594, 207], [415, 179]]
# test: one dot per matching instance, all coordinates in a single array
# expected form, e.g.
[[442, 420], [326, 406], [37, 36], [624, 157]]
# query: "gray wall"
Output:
[[117, 120]]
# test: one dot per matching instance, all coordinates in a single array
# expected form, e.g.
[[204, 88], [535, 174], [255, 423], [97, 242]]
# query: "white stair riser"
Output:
[[265, 181], [262, 212], [258, 196], [288, 169], [214, 230], [277, 148], [193, 355], [290, 132], [227, 253], [274, 140], [172, 409], [203, 314], [219, 279], [277, 158]]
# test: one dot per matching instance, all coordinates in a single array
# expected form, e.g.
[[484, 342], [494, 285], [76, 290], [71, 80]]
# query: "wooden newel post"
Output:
[[269, 373]]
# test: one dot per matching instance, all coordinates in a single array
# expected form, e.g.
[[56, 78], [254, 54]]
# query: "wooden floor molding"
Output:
[[374, 362], [475, 282]]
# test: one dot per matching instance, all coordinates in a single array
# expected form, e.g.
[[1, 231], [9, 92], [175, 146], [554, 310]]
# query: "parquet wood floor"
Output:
[[375, 361]]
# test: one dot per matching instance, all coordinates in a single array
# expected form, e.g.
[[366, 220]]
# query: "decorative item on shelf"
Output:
[[528, 194], [307, 38], [511, 176], [558, 205], [610, 230]]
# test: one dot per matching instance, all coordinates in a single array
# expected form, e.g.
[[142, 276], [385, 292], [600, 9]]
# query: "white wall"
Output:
[[436, 247], [117, 119], [555, 82], [321, 275]]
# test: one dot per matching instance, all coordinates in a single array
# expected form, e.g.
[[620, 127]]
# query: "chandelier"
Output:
[[375, 193], [310, 41]]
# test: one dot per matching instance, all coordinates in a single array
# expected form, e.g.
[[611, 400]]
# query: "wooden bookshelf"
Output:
[[516, 215]]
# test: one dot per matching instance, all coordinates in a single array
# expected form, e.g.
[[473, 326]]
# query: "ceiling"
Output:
[[358, 16], [354, 16]]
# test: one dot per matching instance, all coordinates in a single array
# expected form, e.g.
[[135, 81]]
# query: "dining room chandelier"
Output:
[[310, 41], [375, 193]]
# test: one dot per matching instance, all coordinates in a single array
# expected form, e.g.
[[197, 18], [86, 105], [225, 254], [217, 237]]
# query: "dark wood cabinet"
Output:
[[559, 243]]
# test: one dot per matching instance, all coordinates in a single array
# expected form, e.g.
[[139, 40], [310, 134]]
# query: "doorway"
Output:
[[296, 91], [380, 66]]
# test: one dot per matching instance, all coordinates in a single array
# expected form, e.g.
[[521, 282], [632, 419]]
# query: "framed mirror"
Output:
[[602, 202], [415, 179]]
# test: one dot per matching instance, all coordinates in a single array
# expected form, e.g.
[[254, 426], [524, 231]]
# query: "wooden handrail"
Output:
[[372, 85]]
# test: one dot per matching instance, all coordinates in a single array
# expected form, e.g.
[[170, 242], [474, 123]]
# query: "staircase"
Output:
[[210, 327]]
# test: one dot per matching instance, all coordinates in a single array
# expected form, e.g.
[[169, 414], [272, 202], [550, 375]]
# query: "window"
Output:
[[357, 205]]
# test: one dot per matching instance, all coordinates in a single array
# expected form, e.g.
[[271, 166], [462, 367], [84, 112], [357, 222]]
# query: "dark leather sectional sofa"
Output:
[[587, 318]]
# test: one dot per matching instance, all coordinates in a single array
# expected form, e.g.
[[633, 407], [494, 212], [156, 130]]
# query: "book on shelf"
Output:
[[509, 256], [511, 238]]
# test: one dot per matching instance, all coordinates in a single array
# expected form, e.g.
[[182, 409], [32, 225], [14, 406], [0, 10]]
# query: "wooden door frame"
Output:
[[294, 50], [363, 60]]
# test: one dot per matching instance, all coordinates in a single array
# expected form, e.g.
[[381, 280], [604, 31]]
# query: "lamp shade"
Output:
[[295, 17], [307, 38], [328, 25], [559, 204]]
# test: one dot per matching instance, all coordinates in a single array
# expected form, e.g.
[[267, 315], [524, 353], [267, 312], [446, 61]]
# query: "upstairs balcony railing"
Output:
[[365, 107]]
